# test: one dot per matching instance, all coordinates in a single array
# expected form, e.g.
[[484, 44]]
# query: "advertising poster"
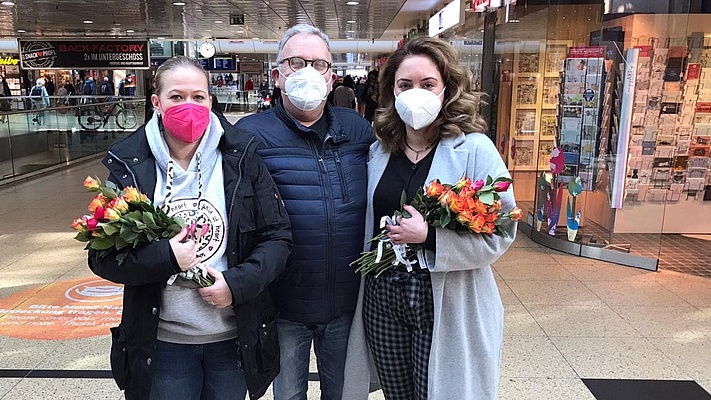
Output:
[[84, 54]]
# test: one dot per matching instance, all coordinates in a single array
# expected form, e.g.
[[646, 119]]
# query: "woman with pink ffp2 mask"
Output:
[[177, 340]]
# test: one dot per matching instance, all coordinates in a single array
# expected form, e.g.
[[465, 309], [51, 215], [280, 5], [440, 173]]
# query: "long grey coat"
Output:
[[468, 315]]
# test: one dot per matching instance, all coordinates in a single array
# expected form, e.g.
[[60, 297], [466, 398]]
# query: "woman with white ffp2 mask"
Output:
[[428, 127]]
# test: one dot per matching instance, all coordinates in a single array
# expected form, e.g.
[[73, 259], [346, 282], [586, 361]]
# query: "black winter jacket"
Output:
[[259, 245], [324, 187]]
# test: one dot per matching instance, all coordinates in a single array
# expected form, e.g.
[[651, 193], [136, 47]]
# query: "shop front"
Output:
[[602, 112]]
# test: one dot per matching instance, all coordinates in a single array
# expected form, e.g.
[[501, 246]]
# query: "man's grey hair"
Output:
[[301, 28]]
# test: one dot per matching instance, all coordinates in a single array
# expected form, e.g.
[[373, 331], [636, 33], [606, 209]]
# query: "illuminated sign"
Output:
[[75, 54], [9, 61], [451, 15], [483, 5]]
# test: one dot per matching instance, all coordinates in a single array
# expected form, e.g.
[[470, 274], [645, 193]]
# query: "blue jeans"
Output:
[[330, 345], [205, 371]]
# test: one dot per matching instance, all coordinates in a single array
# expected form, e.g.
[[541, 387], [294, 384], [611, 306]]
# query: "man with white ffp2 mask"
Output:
[[317, 156]]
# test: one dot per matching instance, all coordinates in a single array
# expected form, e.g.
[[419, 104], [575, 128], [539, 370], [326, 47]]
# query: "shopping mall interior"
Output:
[[601, 110]]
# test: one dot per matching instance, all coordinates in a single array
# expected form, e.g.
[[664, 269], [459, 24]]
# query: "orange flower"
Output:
[[487, 228], [491, 217], [132, 195], [479, 207], [457, 204], [516, 214], [91, 184], [79, 225], [119, 205], [464, 182], [495, 207], [111, 215], [477, 223], [467, 192], [465, 217], [446, 197], [96, 202], [434, 189]]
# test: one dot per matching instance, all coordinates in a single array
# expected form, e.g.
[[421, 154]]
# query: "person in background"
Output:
[[248, 87], [370, 95], [359, 87], [317, 156], [70, 88], [264, 88], [5, 94], [40, 101], [62, 97], [179, 341], [49, 85], [150, 90], [106, 89], [276, 95], [344, 95], [435, 332]]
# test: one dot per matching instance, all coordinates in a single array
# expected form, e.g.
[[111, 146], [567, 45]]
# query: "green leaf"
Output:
[[120, 243], [109, 228], [487, 198], [403, 198], [121, 256], [82, 237], [102, 243], [444, 220], [111, 185], [489, 180], [149, 221]]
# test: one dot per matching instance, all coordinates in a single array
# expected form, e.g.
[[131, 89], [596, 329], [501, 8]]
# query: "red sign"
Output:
[[587, 52], [480, 5], [644, 51], [703, 107], [693, 71]]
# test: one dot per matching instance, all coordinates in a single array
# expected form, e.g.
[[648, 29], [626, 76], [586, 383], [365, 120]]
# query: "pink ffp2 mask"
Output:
[[186, 122]]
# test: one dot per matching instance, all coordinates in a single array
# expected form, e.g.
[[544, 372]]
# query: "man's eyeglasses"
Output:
[[297, 63]]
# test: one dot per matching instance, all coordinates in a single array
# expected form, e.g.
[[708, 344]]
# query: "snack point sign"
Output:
[[72, 309]]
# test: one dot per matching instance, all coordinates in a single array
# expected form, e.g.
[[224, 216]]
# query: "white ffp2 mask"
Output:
[[306, 88], [417, 107]]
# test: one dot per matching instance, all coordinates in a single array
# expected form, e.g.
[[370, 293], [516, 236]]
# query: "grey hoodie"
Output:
[[185, 317]]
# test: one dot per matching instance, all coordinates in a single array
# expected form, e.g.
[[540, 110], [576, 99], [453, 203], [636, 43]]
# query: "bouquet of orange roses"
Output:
[[469, 206], [121, 220]]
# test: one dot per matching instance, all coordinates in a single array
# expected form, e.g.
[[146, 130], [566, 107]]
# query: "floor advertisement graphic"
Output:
[[71, 309]]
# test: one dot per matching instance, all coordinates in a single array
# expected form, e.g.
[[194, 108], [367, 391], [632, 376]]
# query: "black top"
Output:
[[401, 174]]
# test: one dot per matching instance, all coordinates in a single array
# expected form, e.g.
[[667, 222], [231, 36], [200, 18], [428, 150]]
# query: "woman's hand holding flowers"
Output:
[[185, 251], [219, 294], [411, 229]]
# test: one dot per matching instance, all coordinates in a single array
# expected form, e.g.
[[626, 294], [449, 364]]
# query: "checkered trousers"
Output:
[[398, 313]]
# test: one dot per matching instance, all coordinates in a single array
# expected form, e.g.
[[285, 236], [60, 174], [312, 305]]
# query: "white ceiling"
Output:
[[199, 19]]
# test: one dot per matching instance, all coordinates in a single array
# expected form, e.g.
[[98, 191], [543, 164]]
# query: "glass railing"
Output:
[[35, 139]]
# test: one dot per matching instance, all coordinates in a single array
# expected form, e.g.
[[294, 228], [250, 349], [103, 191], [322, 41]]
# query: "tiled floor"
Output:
[[567, 318], [689, 254]]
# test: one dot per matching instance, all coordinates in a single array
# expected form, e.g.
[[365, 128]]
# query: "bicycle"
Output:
[[92, 118]]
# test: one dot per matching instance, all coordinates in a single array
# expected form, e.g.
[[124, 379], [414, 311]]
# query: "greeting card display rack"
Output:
[[670, 142], [581, 115], [535, 98]]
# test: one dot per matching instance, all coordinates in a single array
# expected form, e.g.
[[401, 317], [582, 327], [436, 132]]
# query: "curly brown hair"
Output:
[[460, 105]]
